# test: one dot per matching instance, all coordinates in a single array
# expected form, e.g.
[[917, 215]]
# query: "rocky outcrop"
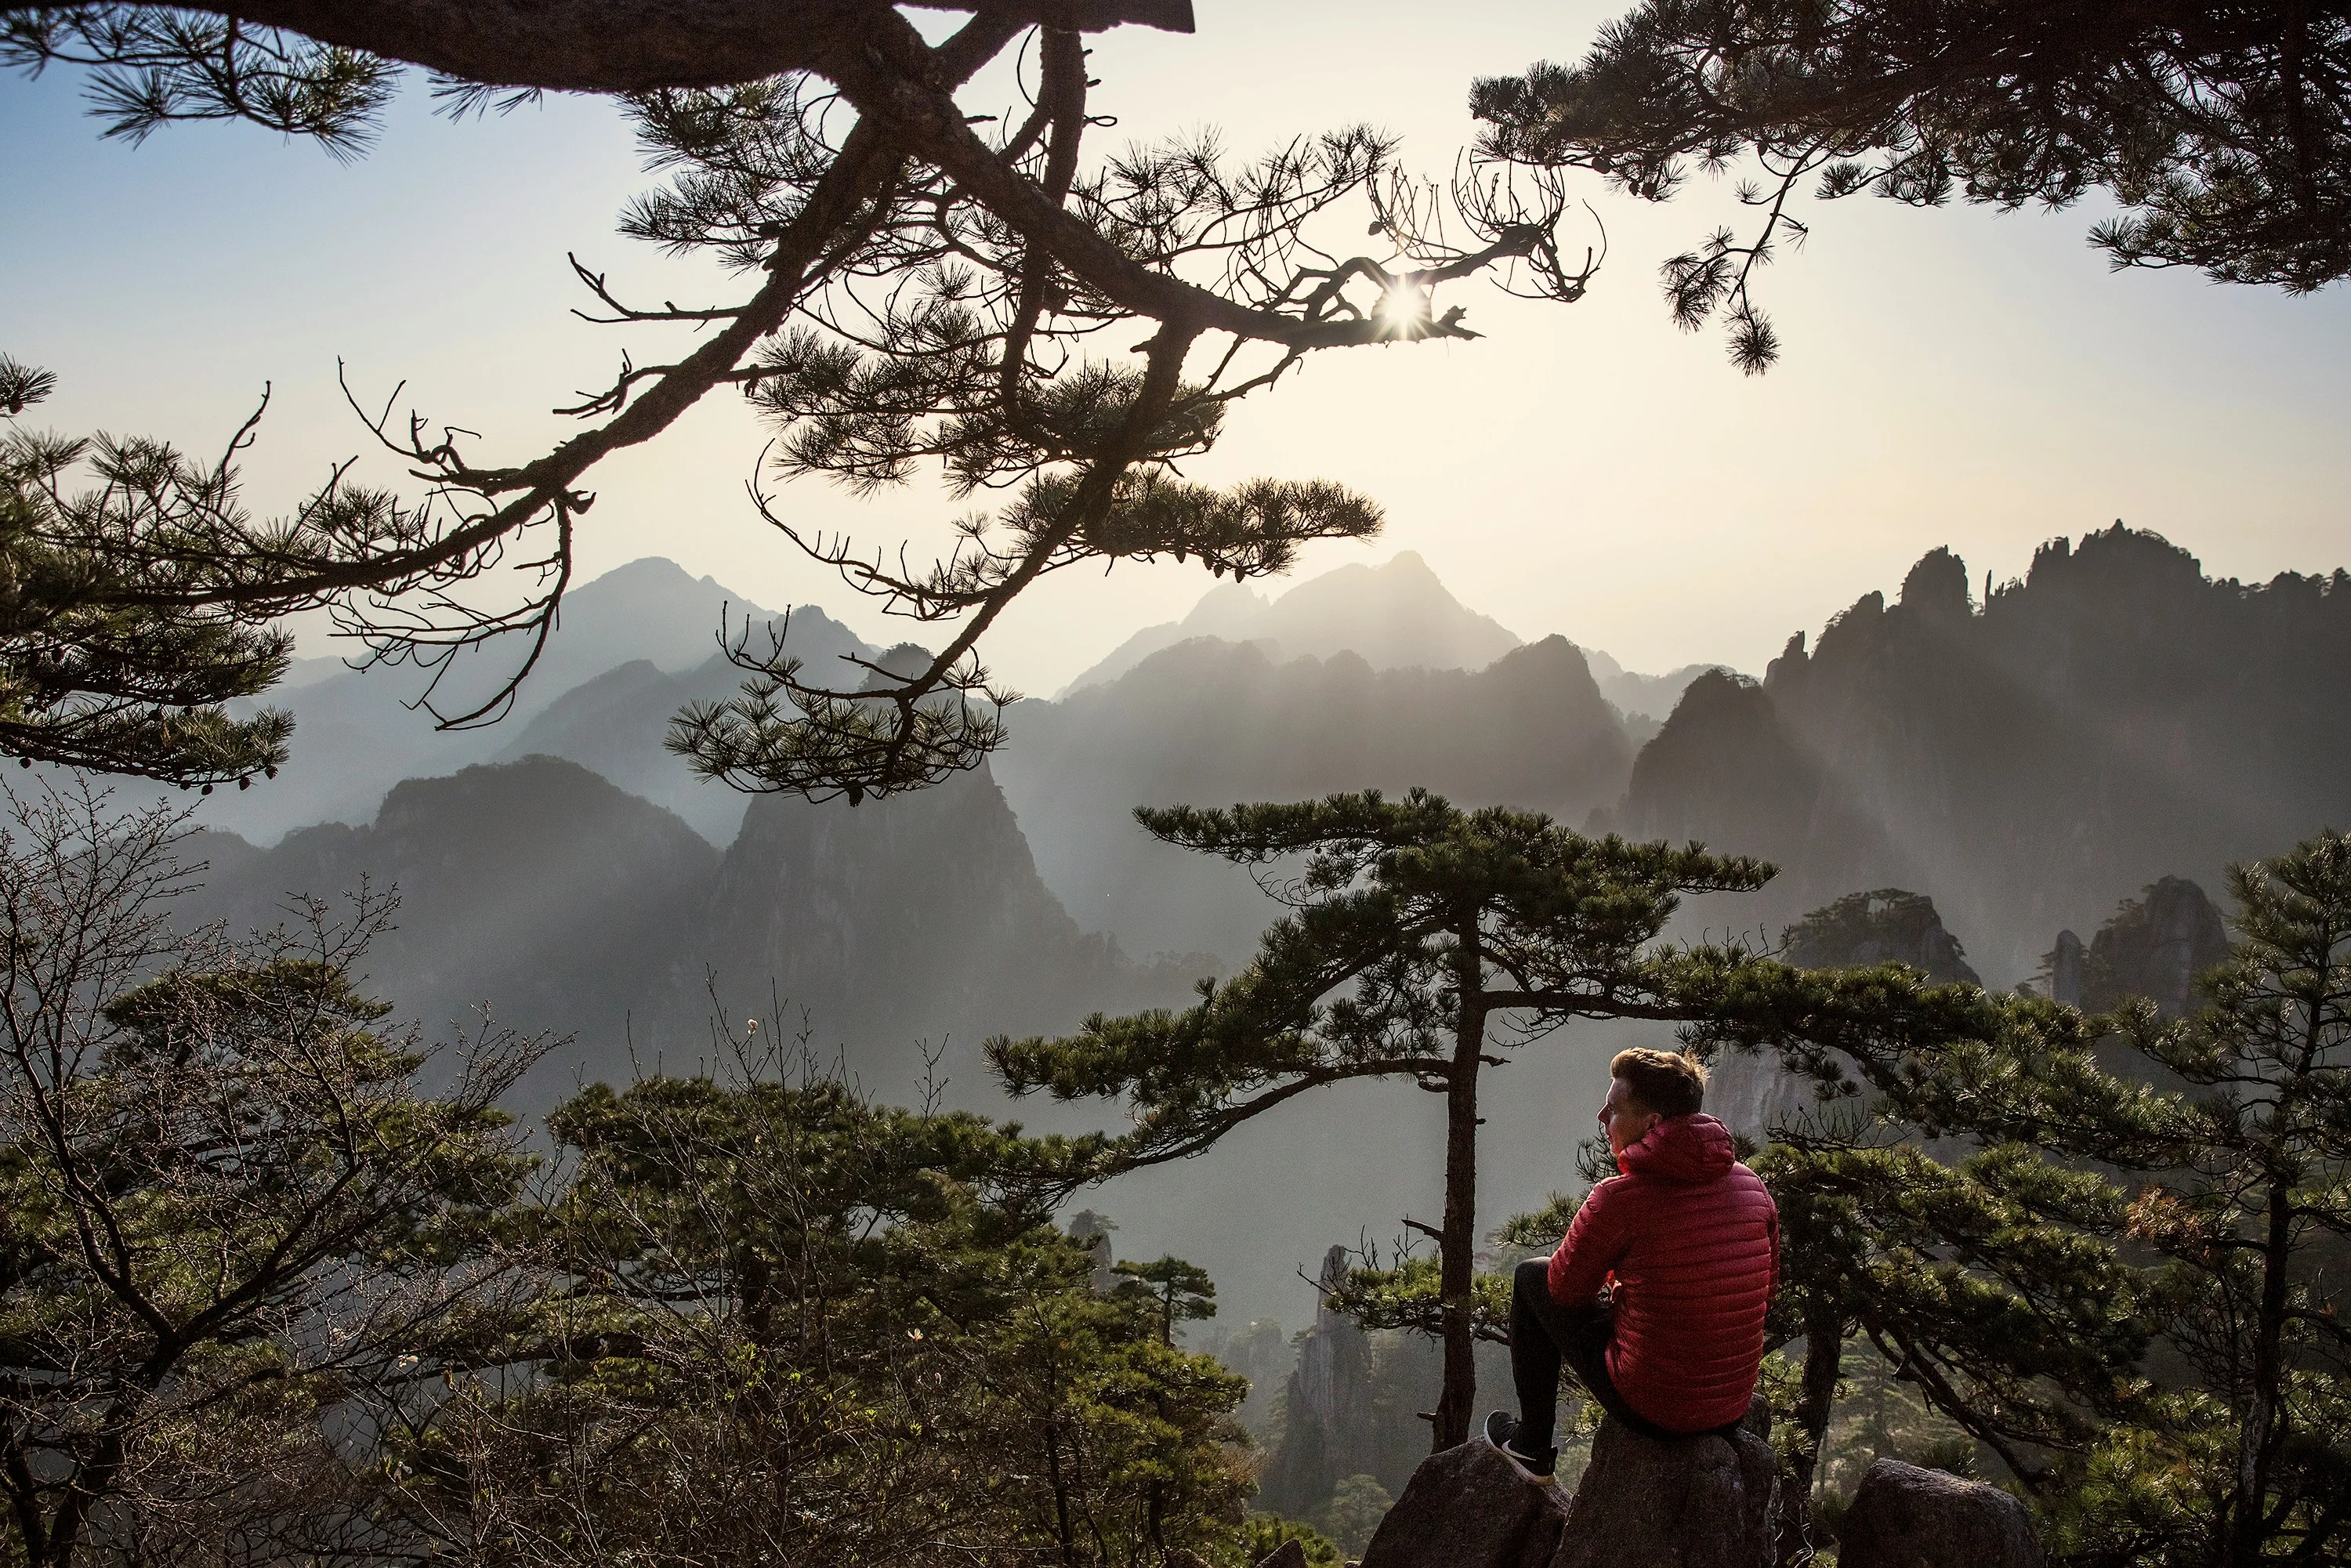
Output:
[[1699, 1502], [2027, 758], [1753, 1095], [1327, 1426], [1692, 1502], [1905, 1517], [2062, 968], [2154, 946], [1348, 1408], [1886, 927], [1465, 1507]]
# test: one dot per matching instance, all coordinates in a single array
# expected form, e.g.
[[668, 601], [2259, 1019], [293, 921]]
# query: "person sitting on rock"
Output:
[[1690, 1239]]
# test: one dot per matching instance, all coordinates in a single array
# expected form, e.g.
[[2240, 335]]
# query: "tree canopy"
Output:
[[1416, 924], [99, 667], [1045, 328], [231, 1227], [2128, 1291], [2221, 131]]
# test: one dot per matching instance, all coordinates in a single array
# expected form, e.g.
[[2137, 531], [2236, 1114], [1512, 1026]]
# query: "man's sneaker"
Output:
[[1501, 1428]]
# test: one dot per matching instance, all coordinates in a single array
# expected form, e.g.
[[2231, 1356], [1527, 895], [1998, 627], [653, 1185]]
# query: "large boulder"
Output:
[[1904, 1517], [1691, 1502], [1466, 1507]]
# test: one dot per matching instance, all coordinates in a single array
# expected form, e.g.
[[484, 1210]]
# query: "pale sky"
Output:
[[1953, 378]]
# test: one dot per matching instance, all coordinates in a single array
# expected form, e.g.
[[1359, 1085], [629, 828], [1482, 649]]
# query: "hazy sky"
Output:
[[1959, 377]]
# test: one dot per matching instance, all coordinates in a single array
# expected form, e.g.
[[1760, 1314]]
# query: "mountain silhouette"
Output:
[[356, 733], [1209, 721], [915, 917], [617, 724], [564, 902], [2113, 718], [572, 907], [1393, 616], [1643, 697]]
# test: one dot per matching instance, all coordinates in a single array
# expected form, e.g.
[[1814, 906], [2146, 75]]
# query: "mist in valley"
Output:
[[2026, 762]]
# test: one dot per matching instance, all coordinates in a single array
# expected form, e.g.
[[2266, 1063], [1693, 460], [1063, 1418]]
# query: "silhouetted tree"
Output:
[[2223, 130], [97, 668], [1415, 925], [1182, 1293], [924, 292]]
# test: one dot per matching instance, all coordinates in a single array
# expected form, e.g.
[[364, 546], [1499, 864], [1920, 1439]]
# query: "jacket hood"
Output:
[[1693, 1148]]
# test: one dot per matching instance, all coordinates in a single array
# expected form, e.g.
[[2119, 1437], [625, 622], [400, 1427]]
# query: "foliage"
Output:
[[232, 1228], [96, 670], [924, 292], [1180, 1292], [1354, 1511], [2222, 131], [785, 1324], [1414, 922], [2127, 1292], [1264, 1534]]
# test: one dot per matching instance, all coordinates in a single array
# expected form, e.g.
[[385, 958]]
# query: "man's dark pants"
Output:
[[1544, 1335]]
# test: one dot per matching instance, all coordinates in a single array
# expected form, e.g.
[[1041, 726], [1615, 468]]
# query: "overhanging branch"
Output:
[[637, 45]]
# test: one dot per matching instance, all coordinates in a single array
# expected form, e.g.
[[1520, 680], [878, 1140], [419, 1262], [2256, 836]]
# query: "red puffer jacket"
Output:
[[1692, 1239]]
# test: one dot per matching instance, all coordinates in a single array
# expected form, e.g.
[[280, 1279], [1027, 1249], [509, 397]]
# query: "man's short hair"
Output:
[[1664, 1082]]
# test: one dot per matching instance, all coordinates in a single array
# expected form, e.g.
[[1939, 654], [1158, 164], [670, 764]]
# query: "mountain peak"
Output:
[[1397, 614]]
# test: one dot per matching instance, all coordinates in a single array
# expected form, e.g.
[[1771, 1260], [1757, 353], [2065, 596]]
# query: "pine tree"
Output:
[[2128, 1291], [780, 1322], [1179, 1292], [96, 670], [2223, 131], [235, 1236], [1424, 938], [923, 291]]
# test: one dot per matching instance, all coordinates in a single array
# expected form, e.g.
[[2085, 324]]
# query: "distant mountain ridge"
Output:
[[1396, 615], [1208, 722], [2113, 718], [356, 733], [618, 723], [571, 907]]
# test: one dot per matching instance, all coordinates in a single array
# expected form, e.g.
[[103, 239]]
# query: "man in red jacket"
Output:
[[1690, 1239]]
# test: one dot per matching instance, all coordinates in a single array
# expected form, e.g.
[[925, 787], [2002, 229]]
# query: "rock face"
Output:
[[2154, 946], [1347, 1408], [1904, 1517], [1697, 1503], [1753, 1095], [2028, 759], [2065, 963], [1465, 1507]]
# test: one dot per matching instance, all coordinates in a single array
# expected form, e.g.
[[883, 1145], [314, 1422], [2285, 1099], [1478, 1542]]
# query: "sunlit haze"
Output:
[[1957, 377]]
